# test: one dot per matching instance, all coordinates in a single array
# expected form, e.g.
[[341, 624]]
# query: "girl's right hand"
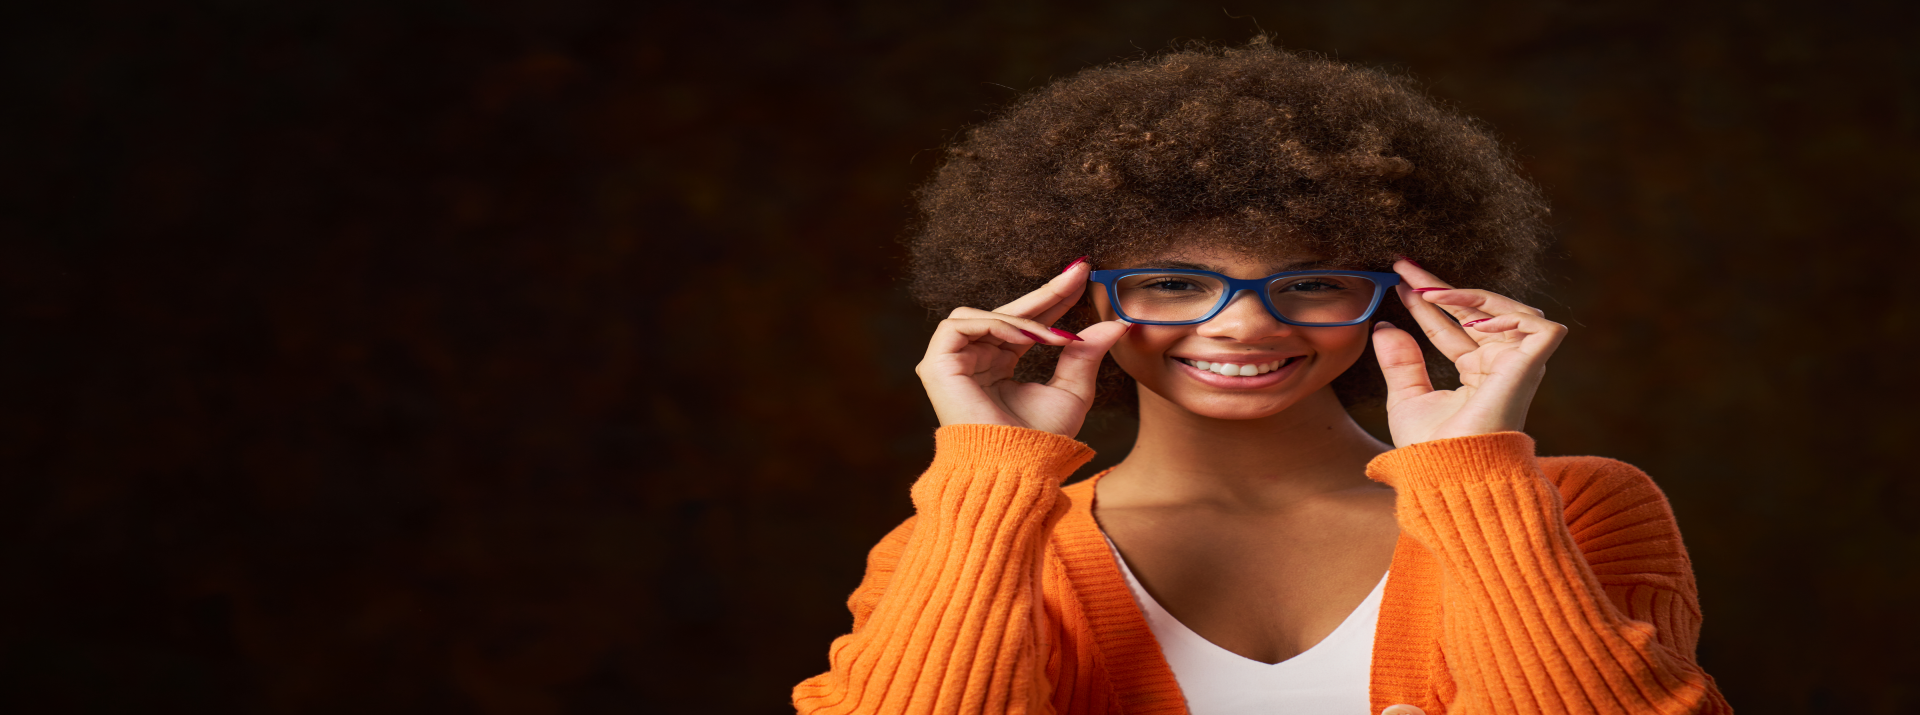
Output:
[[968, 369]]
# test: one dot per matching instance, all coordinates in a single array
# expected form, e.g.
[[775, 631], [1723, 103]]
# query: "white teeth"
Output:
[[1236, 369]]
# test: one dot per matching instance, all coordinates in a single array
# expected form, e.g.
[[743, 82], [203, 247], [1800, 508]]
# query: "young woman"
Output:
[[1259, 220]]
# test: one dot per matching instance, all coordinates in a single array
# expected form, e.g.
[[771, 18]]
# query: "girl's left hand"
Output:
[[1499, 344]]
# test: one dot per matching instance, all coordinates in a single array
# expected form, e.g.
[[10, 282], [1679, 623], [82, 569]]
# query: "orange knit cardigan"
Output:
[[1519, 584]]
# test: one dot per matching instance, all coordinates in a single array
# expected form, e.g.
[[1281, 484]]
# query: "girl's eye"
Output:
[[1311, 286], [1171, 285]]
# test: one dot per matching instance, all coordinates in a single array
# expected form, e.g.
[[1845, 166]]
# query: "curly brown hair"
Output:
[[1274, 150]]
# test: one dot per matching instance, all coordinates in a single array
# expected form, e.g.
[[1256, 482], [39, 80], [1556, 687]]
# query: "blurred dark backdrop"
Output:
[[552, 357]]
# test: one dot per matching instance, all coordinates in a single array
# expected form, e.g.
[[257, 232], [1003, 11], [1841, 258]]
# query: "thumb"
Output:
[[1080, 361], [1401, 362]]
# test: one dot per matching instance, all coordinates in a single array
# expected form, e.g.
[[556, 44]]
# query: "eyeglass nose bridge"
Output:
[[1259, 296]]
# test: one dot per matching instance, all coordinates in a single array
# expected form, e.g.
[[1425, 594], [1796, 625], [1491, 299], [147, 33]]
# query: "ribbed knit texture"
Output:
[[1518, 585]]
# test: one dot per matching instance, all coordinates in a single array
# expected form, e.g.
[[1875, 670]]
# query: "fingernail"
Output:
[[1382, 325], [1472, 323], [1416, 264], [1076, 261], [1429, 290], [1036, 338], [1065, 334]]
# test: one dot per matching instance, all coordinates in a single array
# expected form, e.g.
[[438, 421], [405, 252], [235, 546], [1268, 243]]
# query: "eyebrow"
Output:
[[1183, 265]]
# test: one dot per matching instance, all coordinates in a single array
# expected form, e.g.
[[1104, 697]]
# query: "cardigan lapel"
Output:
[[1406, 642], [1406, 648], [1142, 680]]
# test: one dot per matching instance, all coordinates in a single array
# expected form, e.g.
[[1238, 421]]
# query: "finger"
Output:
[[1043, 332], [1487, 302], [1537, 336], [1082, 269], [1413, 275], [1079, 366], [1402, 709], [1425, 283], [1059, 294], [1441, 328], [957, 334], [1401, 363]]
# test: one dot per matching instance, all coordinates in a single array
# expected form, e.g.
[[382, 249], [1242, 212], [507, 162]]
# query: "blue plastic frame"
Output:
[[1381, 282]]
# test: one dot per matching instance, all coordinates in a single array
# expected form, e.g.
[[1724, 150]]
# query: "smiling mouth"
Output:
[[1231, 369]]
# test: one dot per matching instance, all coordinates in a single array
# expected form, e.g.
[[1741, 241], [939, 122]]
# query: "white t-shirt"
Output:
[[1330, 678]]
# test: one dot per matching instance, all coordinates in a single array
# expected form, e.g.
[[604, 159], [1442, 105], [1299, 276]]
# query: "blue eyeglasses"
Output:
[[1160, 296]]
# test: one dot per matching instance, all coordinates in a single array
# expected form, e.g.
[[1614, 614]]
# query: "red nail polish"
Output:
[[1472, 323], [1036, 338], [1416, 264], [1076, 261], [1065, 334], [1426, 290]]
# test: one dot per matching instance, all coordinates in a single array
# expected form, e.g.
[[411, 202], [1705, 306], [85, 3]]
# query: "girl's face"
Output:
[[1163, 358]]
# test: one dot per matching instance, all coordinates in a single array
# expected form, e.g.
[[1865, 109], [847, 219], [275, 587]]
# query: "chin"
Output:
[[1236, 407]]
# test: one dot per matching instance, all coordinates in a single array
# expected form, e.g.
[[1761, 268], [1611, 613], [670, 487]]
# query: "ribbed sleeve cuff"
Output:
[[1456, 460], [1008, 450]]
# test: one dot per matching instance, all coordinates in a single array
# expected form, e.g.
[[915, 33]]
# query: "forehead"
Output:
[[1226, 259]]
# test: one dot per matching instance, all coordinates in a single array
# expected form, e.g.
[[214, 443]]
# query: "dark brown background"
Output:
[[553, 357]]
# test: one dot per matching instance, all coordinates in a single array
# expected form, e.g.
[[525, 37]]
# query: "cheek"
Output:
[[1144, 347], [1342, 346]]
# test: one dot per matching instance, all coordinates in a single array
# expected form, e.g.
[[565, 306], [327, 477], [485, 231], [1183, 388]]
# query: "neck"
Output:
[[1312, 447]]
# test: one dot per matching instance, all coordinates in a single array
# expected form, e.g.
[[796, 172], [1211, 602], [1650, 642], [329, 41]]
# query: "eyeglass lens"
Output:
[[1311, 298]]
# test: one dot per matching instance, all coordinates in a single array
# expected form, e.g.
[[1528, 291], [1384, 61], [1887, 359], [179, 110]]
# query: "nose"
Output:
[[1245, 319]]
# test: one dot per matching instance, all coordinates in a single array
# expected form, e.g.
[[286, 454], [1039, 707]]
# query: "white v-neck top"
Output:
[[1330, 678]]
